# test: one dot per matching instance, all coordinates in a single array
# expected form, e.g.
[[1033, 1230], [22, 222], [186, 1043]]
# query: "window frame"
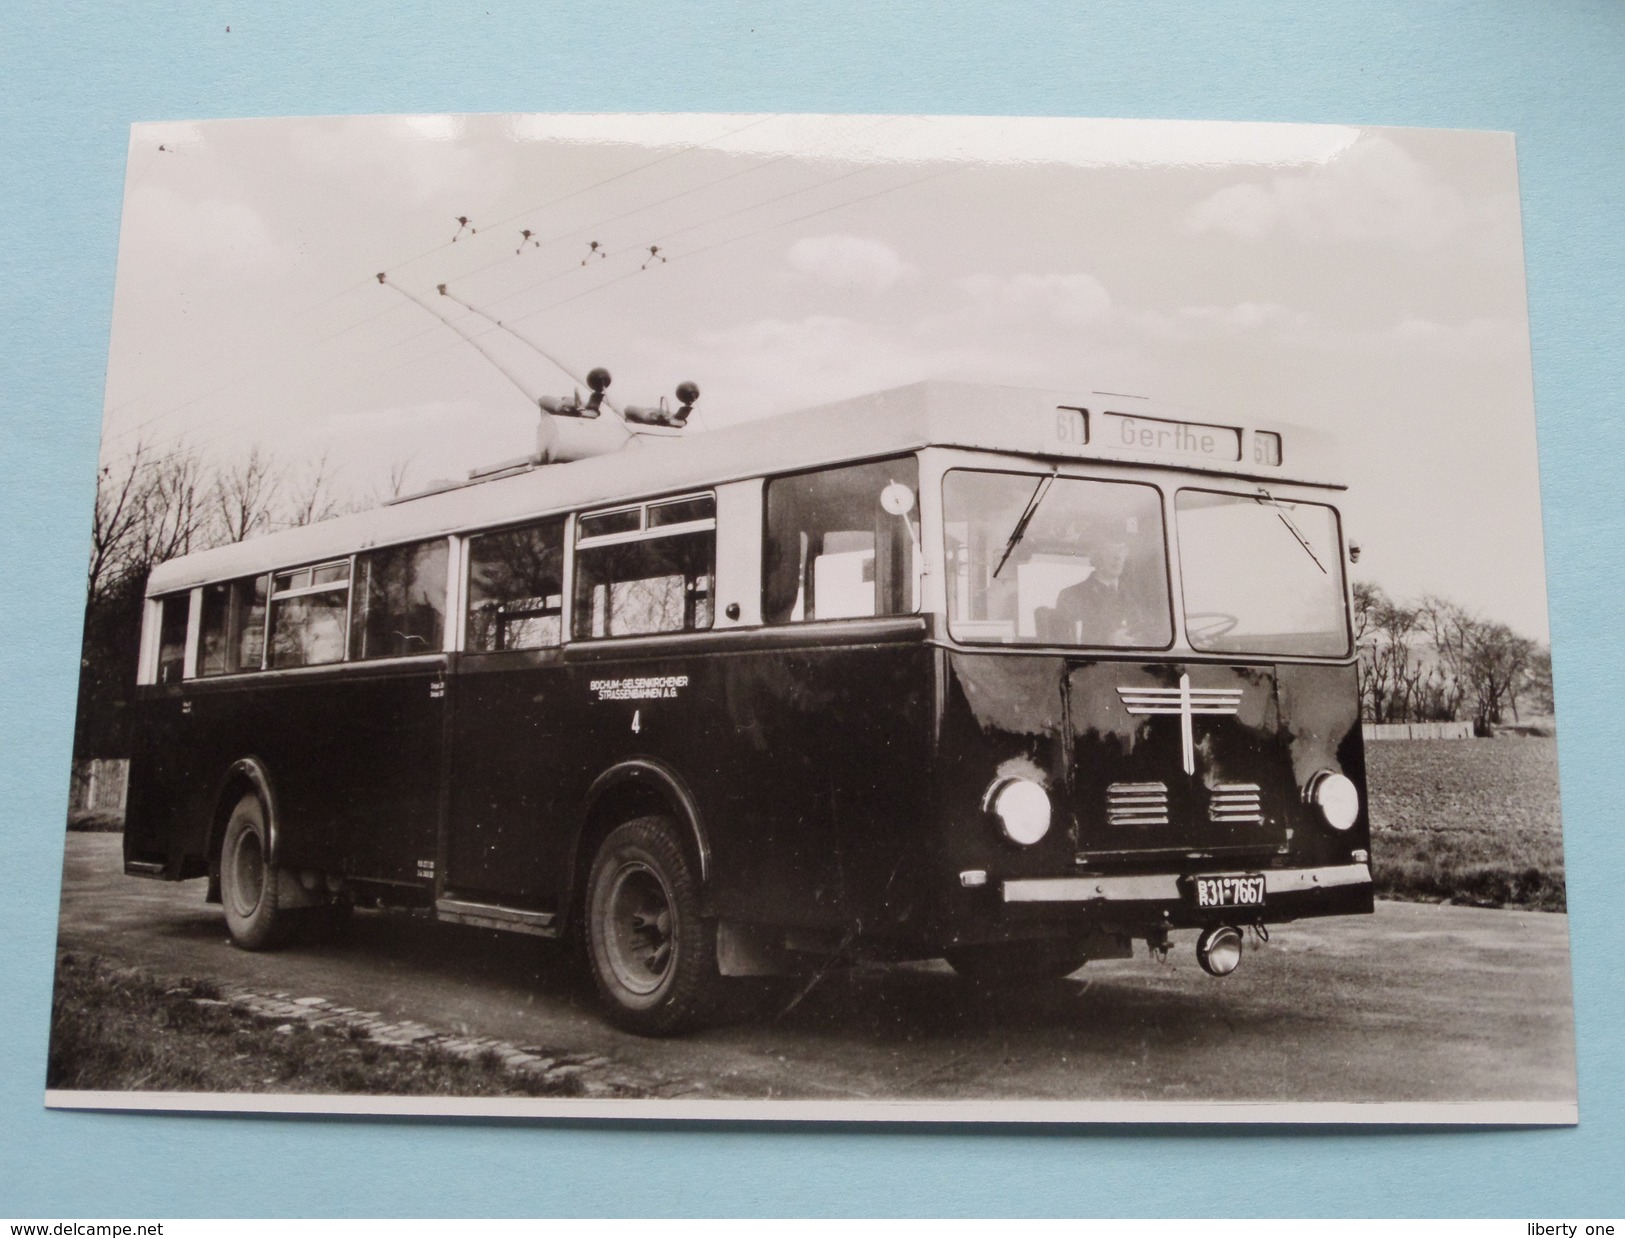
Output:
[[1175, 612], [447, 598], [231, 582], [464, 582], [921, 570], [1349, 650], [183, 600], [298, 591], [643, 533]]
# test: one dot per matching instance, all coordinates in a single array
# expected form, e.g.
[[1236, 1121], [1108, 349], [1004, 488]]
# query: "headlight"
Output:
[[1337, 798], [1022, 807]]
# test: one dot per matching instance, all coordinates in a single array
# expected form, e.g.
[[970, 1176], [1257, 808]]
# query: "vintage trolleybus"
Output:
[[1005, 677]]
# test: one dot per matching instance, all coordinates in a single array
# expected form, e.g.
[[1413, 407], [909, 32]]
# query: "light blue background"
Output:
[[72, 78]]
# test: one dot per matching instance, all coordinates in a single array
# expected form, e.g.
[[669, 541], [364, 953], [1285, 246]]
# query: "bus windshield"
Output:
[[1041, 559], [1261, 575]]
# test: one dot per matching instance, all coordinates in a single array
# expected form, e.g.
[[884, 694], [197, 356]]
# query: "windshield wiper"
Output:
[[1292, 529], [1037, 497]]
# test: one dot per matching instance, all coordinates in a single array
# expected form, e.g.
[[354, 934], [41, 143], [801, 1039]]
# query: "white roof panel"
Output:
[[1005, 419]]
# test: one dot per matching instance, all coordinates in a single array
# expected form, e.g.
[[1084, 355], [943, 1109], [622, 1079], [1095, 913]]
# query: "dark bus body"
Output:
[[758, 788]]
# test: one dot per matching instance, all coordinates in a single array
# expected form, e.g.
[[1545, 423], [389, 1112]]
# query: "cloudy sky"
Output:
[[1365, 281]]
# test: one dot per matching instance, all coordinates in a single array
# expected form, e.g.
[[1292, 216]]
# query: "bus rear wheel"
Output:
[[1007, 963], [248, 885], [653, 956]]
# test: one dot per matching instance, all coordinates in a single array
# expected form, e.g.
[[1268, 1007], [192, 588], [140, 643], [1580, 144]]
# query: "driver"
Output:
[[1098, 610]]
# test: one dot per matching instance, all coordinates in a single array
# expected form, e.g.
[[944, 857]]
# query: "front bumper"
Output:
[[1288, 894]]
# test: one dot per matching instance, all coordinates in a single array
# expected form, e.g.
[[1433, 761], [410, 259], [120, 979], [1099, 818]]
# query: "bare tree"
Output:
[[1398, 626], [1488, 661], [174, 510], [1498, 661], [1368, 599], [118, 508], [311, 495], [393, 485], [148, 509], [1390, 668], [1536, 695], [1450, 628], [245, 494], [1438, 694], [1435, 661], [398, 471]]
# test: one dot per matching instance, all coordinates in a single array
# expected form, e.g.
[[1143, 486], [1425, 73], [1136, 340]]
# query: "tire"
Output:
[[652, 955], [248, 887], [1005, 964]]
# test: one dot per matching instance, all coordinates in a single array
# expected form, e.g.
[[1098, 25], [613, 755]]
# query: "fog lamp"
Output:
[[1218, 950], [1337, 798], [1022, 807]]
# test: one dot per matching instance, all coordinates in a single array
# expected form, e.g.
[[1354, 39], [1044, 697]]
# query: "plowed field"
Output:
[[1470, 821]]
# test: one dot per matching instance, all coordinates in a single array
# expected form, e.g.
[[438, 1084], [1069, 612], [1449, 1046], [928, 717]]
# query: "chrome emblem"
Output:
[[1185, 701]]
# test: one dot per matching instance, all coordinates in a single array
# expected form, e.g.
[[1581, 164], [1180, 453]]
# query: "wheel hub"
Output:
[[638, 938]]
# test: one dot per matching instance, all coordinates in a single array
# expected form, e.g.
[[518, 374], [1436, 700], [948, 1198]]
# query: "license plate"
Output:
[[1244, 890]]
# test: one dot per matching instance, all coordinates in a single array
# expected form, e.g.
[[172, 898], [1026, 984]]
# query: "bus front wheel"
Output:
[[652, 954], [248, 886]]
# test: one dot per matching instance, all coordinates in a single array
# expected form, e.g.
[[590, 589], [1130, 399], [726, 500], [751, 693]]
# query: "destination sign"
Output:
[[1168, 438]]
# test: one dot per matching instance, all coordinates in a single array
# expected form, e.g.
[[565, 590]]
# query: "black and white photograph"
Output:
[[884, 618]]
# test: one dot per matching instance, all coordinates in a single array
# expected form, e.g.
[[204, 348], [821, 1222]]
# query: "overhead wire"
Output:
[[540, 242], [501, 324], [474, 342], [181, 446], [531, 344], [504, 324], [216, 157], [734, 240], [185, 440], [361, 283], [271, 364], [709, 222], [107, 439], [576, 193], [706, 223]]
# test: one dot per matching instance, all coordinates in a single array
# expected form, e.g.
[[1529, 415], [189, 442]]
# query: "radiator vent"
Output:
[[1235, 803], [1136, 803]]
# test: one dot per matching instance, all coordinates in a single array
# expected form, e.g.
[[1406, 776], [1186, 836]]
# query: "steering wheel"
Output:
[[1208, 625]]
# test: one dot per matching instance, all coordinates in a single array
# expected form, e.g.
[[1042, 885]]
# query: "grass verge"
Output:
[[96, 821], [1472, 821], [118, 1029]]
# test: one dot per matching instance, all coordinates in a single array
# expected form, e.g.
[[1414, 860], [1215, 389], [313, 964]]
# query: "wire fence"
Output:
[[1417, 730]]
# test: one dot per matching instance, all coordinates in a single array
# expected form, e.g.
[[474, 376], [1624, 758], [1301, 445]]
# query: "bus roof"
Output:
[[1021, 421]]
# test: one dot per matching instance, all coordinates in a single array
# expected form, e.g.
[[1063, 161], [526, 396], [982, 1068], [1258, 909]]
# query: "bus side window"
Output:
[[831, 551], [233, 633], [516, 589], [309, 607], [657, 579], [172, 637], [399, 601]]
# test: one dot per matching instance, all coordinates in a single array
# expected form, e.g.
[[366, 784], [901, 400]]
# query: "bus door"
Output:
[[509, 719], [356, 752], [368, 745], [162, 779]]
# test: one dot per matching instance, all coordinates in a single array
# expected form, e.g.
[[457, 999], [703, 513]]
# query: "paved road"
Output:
[[1415, 1003]]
